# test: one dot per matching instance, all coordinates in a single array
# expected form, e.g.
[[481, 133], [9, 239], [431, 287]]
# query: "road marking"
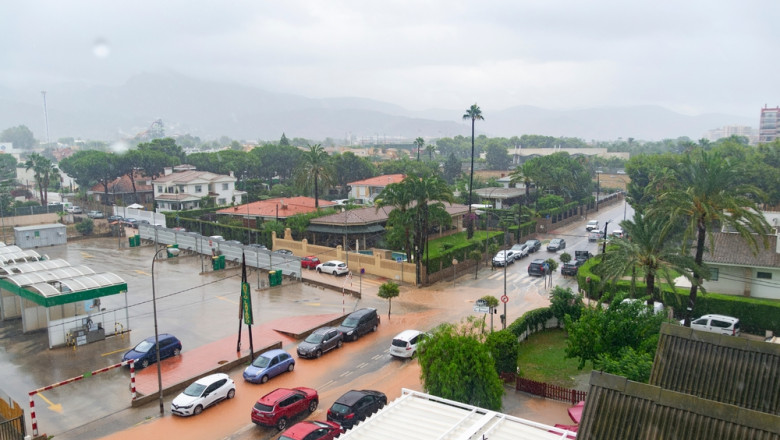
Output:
[[142, 272], [379, 356], [225, 299], [312, 304], [115, 351], [86, 255], [346, 373], [361, 365], [326, 384], [56, 408]]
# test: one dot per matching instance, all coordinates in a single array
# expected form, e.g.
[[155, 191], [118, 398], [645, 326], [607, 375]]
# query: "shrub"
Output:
[[85, 227]]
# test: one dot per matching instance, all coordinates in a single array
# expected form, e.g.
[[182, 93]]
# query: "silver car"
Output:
[[320, 341]]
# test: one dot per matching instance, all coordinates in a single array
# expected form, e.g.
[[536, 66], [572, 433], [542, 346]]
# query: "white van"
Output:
[[725, 325]]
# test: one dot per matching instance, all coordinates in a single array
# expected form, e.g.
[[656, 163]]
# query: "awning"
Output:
[[340, 230]]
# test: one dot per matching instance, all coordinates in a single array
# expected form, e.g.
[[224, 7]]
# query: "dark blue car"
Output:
[[145, 354]]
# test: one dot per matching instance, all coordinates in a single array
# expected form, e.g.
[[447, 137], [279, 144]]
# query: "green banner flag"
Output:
[[246, 301]]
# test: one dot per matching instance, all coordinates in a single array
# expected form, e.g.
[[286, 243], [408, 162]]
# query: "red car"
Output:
[[282, 404], [310, 262], [314, 430]]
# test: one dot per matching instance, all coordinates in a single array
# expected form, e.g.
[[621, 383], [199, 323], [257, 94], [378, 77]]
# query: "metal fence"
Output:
[[290, 265], [13, 429]]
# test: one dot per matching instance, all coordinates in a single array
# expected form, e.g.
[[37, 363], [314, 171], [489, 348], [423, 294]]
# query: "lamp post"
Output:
[[598, 188], [173, 251], [604, 245]]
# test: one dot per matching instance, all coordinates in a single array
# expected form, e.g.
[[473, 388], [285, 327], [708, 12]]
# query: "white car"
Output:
[[520, 250], [592, 224], [503, 258], [333, 267], [203, 393], [75, 209], [404, 345], [726, 325]]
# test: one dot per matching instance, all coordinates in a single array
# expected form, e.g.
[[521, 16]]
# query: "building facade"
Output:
[[769, 129], [176, 191]]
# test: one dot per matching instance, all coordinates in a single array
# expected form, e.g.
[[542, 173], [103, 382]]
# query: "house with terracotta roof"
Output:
[[273, 209], [366, 190], [177, 191], [702, 386], [120, 191], [736, 270]]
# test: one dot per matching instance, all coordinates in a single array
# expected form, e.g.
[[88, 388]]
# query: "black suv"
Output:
[[358, 323], [537, 267], [355, 406], [533, 245], [572, 267]]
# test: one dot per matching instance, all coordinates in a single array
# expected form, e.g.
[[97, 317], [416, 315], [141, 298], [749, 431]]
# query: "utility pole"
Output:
[[46, 116], [604, 245]]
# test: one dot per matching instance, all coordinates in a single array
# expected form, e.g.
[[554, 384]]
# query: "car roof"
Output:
[[275, 395], [351, 397], [337, 262], [721, 317], [211, 378], [272, 353], [361, 312], [323, 330], [300, 429], [160, 336], [538, 261], [407, 335]]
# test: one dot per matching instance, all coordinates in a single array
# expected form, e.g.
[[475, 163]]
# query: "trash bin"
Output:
[[215, 263], [174, 246], [274, 278], [221, 259], [135, 240]]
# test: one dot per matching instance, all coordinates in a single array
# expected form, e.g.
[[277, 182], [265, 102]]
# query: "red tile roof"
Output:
[[379, 181], [283, 207]]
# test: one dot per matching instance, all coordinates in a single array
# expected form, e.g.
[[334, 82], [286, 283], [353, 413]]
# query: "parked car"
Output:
[[269, 364], [537, 267], [310, 262], [95, 214], [284, 251], [658, 307], [556, 244], [618, 233], [234, 242], [595, 235], [74, 209], [354, 406], [570, 268], [582, 256], [130, 222], [533, 245], [312, 430], [282, 404], [257, 246], [503, 258], [358, 323], [333, 267], [520, 250], [592, 224], [141, 222], [726, 325], [203, 393], [404, 345], [144, 353], [115, 218], [320, 341]]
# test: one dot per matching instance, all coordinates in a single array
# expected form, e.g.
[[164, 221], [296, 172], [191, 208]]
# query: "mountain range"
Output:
[[209, 109]]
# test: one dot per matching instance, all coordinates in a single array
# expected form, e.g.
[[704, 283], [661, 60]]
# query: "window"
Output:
[[221, 201], [160, 189], [764, 275], [225, 186], [198, 188], [714, 274]]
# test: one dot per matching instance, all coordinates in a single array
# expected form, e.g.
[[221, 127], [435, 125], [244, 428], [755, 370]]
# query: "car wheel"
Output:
[[144, 363], [313, 406], [291, 367], [198, 409], [318, 354], [231, 393], [319, 270], [339, 344], [354, 337], [176, 351], [373, 329], [414, 354], [264, 379], [281, 424]]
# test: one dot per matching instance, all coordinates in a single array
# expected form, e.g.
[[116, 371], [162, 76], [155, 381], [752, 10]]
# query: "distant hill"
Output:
[[212, 109]]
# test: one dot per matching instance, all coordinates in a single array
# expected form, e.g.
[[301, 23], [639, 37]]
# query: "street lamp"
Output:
[[598, 188], [172, 251]]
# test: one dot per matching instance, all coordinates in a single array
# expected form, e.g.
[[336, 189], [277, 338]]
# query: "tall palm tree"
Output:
[[420, 143], [43, 173], [400, 198], [708, 192], [430, 149], [523, 174], [315, 169], [426, 189], [474, 113], [647, 251]]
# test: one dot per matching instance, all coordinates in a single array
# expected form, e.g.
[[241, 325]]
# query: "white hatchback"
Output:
[[404, 345], [333, 267], [203, 393]]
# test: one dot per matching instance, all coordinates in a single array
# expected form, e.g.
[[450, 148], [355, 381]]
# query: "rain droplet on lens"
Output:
[[101, 48]]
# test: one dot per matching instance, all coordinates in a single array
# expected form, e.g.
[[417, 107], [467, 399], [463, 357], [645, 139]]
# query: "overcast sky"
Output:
[[689, 56]]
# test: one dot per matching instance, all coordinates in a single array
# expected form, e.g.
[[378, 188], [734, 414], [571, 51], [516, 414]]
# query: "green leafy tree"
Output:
[[284, 141], [315, 170], [629, 363], [559, 173], [20, 137], [497, 157], [400, 198], [85, 226], [564, 302], [504, 349], [452, 169], [459, 367], [7, 167], [476, 257], [43, 172], [552, 263], [565, 257], [388, 291], [90, 167], [473, 113], [708, 193], [349, 167], [166, 146]]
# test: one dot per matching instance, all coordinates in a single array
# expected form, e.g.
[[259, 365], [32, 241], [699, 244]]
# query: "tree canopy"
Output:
[[20, 137]]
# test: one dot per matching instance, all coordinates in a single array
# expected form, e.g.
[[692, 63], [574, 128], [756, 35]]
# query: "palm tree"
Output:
[[315, 168], [430, 149], [426, 189], [709, 191], [420, 143], [474, 113], [399, 197], [647, 251], [43, 173], [523, 174]]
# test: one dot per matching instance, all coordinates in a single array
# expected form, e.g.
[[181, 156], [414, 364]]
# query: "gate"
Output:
[[12, 425]]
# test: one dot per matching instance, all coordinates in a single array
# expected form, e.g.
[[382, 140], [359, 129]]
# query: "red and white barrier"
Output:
[[77, 378]]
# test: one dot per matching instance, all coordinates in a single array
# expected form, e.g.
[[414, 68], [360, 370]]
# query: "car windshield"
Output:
[[144, 346], [529, 243], [350, 322], [339, 408], [194, 390], [315, 338], [261, 362]]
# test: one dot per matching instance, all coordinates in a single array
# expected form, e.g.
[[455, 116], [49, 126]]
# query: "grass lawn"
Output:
[[542, 358]]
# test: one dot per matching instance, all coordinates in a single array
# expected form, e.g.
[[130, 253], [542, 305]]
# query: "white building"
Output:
[[182, 190]]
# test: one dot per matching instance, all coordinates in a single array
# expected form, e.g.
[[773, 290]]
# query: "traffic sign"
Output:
[[481, 309], [504, 299]]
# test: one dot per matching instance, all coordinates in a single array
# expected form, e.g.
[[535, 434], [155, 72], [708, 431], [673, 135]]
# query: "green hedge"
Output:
[[756, 314], [532, 319]]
